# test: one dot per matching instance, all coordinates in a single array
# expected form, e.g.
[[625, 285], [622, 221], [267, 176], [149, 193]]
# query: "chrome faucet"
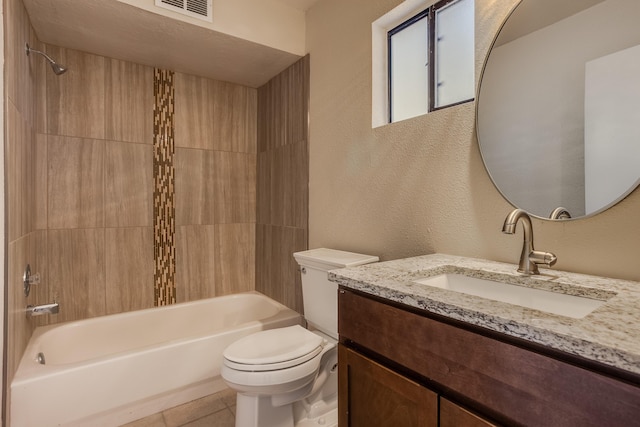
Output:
[[38, 310], [529, 258]]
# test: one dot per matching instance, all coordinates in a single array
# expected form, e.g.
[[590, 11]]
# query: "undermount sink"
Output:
[[551, 302]]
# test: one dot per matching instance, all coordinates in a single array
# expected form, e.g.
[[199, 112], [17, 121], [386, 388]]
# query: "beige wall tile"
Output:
[[25, 163], [193, 112], [20, 180], [278, 110], [195, 192], [235, 117], [296, 203], [129, 101], [129, 269], [251, 121], [14, 14], [282, 188], [20, 161], [280, 175], [75, 182], [215, 115], [276, 270], [264, 266], [76, 99], [263, 187], [20, 72], [128, 184], [283, 107], [264, 114], [41, 69], [40, 186], [235, 258], [235, 187], [14, 126], [297, 93], [195, 262], [37, 259], [19, 328], [76, 272]]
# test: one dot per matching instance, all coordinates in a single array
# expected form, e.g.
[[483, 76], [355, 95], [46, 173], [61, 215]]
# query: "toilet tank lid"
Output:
[[332, 258]]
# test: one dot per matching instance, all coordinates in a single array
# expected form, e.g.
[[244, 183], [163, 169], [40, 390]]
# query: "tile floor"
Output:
[[216, 410]]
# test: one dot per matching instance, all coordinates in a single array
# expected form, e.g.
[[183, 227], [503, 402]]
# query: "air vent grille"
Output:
[[195, 8]]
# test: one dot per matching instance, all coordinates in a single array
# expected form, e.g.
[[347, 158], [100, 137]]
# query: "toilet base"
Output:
[[330, 419], [257, 411], [324, 416]]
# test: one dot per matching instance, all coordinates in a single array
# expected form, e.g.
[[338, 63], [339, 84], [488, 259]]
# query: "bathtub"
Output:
[[114, 369]]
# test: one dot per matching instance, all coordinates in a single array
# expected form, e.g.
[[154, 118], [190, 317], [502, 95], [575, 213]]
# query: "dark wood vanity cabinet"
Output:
[[454, 415], [373, 395], [379, 397], [402, 367]]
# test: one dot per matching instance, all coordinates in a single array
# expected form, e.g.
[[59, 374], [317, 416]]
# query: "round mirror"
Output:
[[558, 109]]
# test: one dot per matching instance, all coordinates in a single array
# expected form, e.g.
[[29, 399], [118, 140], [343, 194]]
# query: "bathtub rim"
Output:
[[146, 404], [29, 369]]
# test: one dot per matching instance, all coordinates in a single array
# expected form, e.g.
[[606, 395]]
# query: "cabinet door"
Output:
[[371, 395], [452, 415]]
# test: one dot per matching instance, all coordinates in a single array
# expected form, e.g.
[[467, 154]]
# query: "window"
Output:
[[431, 60]]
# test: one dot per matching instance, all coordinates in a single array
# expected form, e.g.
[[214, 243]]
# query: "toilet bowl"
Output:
[[271, 370], [287, 377]]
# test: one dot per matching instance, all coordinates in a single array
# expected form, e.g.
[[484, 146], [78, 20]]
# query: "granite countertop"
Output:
[[609, 335]]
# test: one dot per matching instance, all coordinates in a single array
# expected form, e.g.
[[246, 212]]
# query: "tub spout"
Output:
[[38, 310]]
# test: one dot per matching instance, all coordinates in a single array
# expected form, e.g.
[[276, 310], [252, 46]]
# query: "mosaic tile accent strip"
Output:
[[164, 226]]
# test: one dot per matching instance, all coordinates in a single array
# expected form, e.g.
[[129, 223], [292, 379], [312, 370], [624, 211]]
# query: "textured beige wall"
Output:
[[419, 186]]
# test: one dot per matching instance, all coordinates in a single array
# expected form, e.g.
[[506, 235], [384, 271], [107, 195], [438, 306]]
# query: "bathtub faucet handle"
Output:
[[28, 279]]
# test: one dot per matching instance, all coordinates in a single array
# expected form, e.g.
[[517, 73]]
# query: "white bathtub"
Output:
[[110, 370]]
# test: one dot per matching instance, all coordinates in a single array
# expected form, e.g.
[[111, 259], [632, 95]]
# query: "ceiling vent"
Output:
[[200, 9]]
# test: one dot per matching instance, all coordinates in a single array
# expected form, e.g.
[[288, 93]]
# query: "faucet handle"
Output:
[[546, 258]]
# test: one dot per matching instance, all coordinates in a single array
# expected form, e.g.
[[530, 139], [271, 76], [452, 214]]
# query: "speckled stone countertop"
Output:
[[610, 334]]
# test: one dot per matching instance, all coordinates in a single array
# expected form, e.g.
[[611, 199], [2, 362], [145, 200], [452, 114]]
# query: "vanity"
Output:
[[413, 353]]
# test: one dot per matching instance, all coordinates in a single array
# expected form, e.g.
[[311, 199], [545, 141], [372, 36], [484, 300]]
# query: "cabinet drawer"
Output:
[[509, 383]]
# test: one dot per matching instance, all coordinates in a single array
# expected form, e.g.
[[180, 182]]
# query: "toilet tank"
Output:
[[319, 295]]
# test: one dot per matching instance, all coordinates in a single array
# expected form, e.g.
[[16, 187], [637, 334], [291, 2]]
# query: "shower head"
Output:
[[57, 68]]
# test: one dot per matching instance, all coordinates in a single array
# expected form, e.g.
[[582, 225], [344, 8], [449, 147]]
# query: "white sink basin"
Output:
[[550, 302]]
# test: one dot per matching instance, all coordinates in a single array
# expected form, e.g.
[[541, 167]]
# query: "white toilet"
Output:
[[288, 377]]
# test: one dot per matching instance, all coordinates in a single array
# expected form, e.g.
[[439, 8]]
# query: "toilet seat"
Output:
[[274, 349], [273, 366]]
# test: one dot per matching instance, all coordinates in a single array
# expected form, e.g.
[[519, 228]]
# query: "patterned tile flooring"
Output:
[[216, 410]]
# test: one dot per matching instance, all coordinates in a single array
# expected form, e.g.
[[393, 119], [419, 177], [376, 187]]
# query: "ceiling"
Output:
[[118, 30]]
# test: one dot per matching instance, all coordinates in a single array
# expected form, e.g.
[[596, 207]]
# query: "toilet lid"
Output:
[[273, 347]]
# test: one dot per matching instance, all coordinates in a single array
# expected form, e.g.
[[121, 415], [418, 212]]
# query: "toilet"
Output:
[[287, 377]]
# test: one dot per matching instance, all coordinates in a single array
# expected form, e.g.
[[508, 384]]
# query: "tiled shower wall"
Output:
[[23, 238], [283, 177], [95, 140]]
